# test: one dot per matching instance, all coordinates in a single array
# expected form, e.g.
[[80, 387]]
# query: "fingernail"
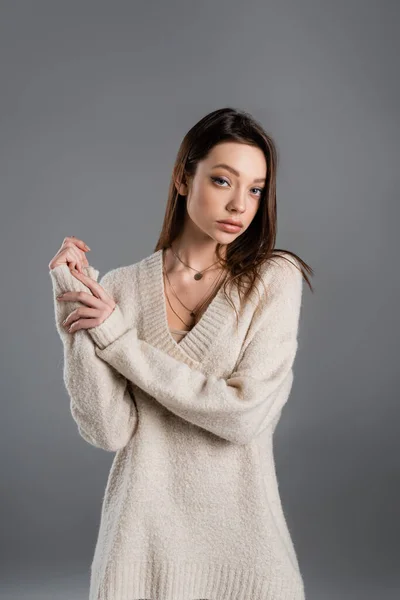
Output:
[[87, 247]]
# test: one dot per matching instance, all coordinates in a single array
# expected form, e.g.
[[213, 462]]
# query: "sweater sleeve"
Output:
[[241, 406], [100, 401]]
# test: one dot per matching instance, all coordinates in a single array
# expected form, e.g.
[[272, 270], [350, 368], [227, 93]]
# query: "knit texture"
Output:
[[191, 507]]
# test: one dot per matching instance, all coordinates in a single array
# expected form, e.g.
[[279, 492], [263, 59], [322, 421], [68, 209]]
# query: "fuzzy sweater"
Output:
[[191, 507]]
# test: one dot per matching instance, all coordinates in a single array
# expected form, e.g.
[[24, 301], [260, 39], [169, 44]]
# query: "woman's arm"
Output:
[[237, 408], [101, 404]]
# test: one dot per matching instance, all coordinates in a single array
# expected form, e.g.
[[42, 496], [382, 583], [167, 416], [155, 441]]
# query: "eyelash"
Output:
[[221, 179]]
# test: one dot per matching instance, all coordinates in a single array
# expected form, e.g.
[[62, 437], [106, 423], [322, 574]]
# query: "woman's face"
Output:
[[226, 192]]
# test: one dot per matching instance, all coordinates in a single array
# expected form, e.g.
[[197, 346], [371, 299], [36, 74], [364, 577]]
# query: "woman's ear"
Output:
[[181, 187]]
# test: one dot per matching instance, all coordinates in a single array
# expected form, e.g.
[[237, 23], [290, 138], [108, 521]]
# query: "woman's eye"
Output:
[[219, 179], [216, 179]]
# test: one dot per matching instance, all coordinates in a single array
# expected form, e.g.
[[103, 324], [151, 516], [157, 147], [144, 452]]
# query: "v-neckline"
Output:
[[198, 340]]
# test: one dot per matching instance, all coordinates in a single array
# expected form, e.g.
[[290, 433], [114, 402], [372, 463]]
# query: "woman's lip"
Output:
[[229, 227]]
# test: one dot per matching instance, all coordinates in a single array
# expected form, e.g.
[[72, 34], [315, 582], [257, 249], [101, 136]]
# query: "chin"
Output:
[[224, 238]]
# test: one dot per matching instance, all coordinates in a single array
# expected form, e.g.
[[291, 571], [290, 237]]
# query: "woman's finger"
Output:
[[82, 324], [82, 312], [82, 297], [82, 259], [94, 287], [74, 256], [78, 248], [80, 243]]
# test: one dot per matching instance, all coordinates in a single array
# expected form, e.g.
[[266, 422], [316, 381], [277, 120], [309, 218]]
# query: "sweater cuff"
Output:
[[109, 330], [64, 281]]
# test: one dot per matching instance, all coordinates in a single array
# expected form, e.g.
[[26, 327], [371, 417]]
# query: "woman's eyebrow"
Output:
[[234, 171]]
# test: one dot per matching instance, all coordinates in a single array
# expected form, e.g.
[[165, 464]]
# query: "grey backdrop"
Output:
[[95, 99]]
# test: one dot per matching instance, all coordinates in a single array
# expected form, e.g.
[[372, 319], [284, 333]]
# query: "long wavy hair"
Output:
[[246, 255]]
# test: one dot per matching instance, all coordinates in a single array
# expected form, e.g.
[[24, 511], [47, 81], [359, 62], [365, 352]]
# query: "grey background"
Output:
[[95, 99]]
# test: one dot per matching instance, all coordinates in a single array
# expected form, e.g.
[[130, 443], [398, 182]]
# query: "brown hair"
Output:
[[248, 252]]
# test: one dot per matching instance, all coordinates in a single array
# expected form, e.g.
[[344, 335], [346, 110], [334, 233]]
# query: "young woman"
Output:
[[181, 364]]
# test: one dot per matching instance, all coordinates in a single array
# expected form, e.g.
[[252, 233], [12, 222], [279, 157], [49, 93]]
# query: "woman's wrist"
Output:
[[110, 329]]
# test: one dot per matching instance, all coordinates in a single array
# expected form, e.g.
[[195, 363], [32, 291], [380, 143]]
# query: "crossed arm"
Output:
[[100, 362], [237, 408]]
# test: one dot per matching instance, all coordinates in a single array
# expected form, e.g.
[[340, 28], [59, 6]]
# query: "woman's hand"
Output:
[[71, 253], [97, 307]]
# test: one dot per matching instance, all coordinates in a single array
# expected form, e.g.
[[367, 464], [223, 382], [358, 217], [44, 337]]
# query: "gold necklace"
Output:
[[196, 310], [199, 274], [191, 311], [188, 326]]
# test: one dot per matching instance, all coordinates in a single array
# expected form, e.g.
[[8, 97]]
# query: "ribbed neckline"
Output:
[[196, 343]]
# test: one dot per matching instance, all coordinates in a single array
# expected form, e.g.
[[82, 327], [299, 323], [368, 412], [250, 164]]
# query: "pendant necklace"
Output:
[[194, 311], [199, 274]]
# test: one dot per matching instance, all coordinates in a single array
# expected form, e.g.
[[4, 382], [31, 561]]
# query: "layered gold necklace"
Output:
[[196, 311]]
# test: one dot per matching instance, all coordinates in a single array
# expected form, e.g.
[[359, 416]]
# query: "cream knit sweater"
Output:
[[191, 506]]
